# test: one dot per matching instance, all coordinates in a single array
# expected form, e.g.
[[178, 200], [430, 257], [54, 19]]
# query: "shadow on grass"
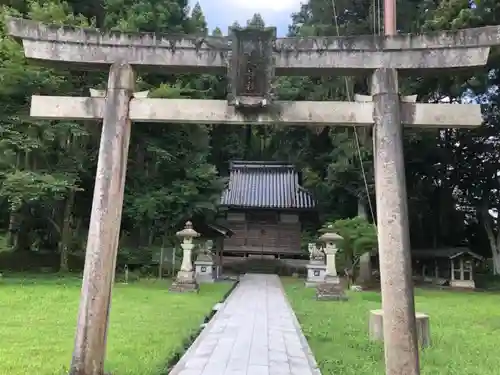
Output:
[[22, 278], [372, 297]]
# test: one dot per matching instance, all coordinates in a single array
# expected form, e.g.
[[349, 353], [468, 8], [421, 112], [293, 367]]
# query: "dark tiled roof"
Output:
[[447, 252], [265, 185]]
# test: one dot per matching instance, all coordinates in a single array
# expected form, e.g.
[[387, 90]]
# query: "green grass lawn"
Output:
[[147, 329], [465, 331]]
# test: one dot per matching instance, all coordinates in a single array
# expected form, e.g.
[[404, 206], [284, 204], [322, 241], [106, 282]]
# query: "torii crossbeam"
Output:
[[201, 111]]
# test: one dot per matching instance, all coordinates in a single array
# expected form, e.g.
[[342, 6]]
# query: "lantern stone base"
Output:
[[315, 274], [376, 327], [330, 292], [329, 279], [185, 282], [469, 284]]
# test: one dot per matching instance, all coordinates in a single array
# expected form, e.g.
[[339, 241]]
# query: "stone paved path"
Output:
[[255, 333]]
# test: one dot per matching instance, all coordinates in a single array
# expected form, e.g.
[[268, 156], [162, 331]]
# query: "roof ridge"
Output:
[[260, 164]]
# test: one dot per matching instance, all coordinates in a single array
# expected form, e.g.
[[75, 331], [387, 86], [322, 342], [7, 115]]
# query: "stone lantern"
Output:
[[331, 239], [186, 281], [330, 288]]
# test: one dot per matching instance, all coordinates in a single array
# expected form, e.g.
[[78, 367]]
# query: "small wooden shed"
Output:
[[454, 265]]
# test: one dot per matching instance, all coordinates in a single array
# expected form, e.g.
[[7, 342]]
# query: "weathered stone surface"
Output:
[[185, 280], [330, 292], [102, 244], [401, 351], [181, 286], [91, 49], [316, 254], [368, 98], [331, 279], [206, 111], [102, 93], [376, 330], [464, 38], [251, 67], [183, 111], [315, 274], [204, 271], [466, 284], [365, 269], [438, 50], [254, 333], [353, 62], [331, 249]]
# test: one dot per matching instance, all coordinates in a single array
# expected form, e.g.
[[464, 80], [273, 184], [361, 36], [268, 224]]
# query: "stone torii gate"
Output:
[[250, 101]]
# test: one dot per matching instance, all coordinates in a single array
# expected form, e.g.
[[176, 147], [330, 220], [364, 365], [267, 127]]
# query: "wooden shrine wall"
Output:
[[264, 233]]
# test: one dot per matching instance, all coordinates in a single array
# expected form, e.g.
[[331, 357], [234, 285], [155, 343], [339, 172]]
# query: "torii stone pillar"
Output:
[[393, 229], [105, 219], [398, 301]]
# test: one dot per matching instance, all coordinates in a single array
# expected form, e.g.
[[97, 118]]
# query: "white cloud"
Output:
[[261, 6], [222, 13]]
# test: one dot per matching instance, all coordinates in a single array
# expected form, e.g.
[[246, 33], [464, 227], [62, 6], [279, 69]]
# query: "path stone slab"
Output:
[[254, 333]]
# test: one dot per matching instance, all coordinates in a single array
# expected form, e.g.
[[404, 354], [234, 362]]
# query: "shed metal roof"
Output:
[[265, 185]]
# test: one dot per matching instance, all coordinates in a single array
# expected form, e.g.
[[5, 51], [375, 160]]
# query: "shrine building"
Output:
[[265, 206]]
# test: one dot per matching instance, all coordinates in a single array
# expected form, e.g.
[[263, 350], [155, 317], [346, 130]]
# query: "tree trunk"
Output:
[[13, 230], [492, 228], [151, 234], [248, 141], [65, 239], [63, 262], [495, 252], [162, 256], [496, 262], [362, 209]]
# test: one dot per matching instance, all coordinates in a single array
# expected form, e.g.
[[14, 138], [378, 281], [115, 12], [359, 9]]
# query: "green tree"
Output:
[[152, 15], [41, 160], [358, 237], [256, 21], [198, 22]]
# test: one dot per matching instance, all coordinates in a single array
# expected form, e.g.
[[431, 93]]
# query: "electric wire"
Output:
[[377, 30]]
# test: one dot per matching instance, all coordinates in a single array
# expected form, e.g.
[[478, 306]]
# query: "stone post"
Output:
[[316, 269], [365, 269], [376, 330], [102, 243], [400, 335], [185, 281], [204, 264]]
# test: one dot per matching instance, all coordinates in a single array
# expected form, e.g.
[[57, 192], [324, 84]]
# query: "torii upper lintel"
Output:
[[89, 49]]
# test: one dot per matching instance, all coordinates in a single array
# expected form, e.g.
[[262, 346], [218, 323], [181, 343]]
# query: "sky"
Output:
[[223, 13]]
